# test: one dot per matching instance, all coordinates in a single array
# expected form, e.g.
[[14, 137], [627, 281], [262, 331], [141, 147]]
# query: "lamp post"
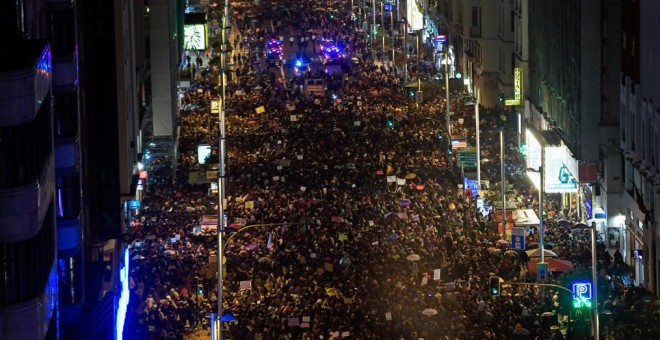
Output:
[[398, 11], [594, 275], [373, 18], [215, 322], [382, 15], [405, 49], [447, 89], [478, 142], [502, 179], [541, 173], [392, 37], [417, 52], [541, 208], [476, 118]]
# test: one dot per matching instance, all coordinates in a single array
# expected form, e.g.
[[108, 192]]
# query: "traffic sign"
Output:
[[467, 164], [467, 156], [582, 294], [518, 238]]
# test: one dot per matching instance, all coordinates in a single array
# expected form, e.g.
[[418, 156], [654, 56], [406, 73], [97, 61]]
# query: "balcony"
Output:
[[24, 81], [65, 72], [29, 320], [68, 235], [23, 208], [67, 155]]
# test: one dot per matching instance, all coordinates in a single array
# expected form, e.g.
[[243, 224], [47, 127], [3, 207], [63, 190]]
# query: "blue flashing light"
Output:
[[387, 7], [334, 96], [124, 298], [298, 63]]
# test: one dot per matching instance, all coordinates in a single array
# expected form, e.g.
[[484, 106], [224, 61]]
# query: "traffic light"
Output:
[[494, 285], [390, 121], [439, 135], [542, 270], [450, 151], [200, 290], [501, 98], [411, 92]]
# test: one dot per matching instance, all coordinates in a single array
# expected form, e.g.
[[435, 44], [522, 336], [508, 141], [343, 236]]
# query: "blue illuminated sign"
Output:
[[582, 294], [134, 204], [122, 304]]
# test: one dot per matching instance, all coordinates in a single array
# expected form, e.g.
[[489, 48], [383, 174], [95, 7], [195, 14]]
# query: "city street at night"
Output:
[[363, 169], [347, 213]]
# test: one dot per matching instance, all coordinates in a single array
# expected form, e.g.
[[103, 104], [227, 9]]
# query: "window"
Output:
[[65, 107], [513, 21], [633, 45], [67, 196], [69, 271], [475, 16]]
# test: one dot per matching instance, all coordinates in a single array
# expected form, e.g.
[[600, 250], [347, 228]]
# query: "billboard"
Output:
[[415, 17], [533, 158], [195, 37], [203, 152], [560, 170], [517, 88]]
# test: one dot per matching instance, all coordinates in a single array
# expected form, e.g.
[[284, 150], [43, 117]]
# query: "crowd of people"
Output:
[[369, 235]]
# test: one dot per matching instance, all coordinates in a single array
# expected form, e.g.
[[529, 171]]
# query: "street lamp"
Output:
[[215, 322], [404, 36], [373, 17], [392, 37], [447, 88], [503, 180], [417, 52], [541, 173], [594, 274], [476, 118]]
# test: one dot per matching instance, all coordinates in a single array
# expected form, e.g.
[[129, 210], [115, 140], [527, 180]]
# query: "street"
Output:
[[376, 238]]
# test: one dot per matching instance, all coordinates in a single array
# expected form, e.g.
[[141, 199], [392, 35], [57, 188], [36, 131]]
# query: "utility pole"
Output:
[[503, 178], [447, 88], [373, 18], [221, 165]]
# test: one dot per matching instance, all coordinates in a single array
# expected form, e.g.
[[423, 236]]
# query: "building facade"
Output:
[[70, 119], [28, 291], [639, 141], [571, 89]]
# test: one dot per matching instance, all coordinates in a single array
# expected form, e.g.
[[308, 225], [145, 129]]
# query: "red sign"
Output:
[[588, 172]]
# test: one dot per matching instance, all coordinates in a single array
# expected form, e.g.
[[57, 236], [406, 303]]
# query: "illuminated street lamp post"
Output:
[[373, 18], [447, 89], [392, 37], [216, 322], [594, 275], [478, 141]]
